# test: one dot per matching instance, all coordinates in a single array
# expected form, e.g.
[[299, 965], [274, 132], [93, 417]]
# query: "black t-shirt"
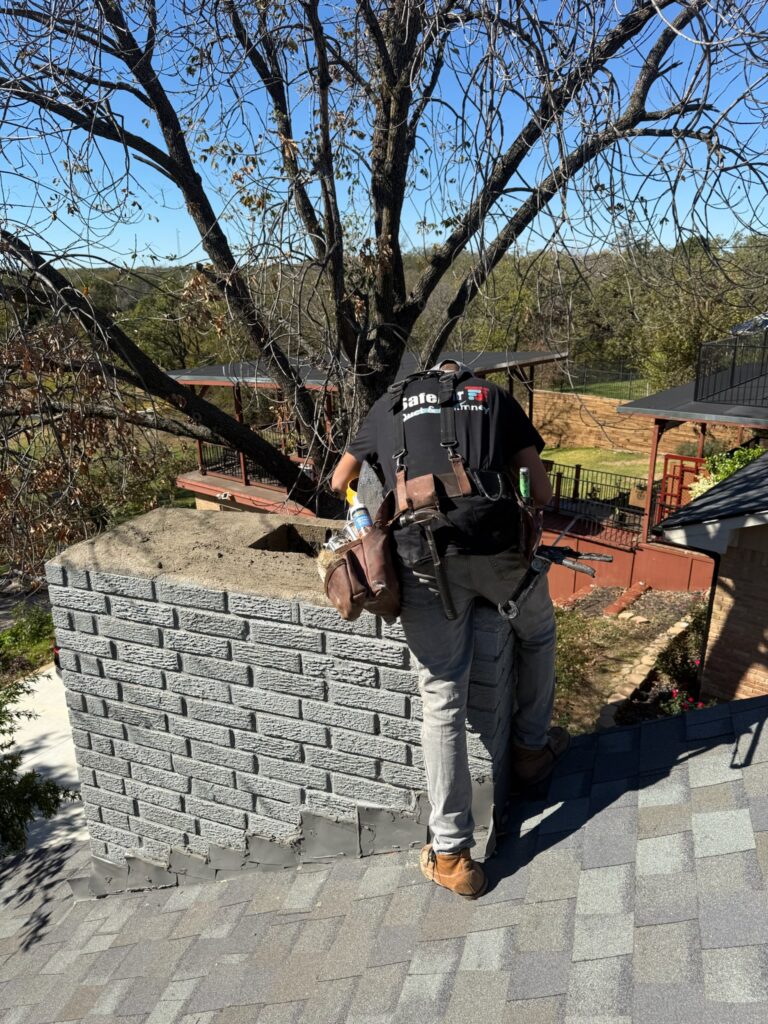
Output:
[[490, 429]]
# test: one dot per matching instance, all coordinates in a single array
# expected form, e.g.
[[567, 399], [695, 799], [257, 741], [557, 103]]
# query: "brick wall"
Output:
[[736, 664], [587, 421], [203, 715]]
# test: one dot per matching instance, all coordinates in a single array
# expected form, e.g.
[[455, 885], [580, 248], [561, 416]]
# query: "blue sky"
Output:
[[162, 231]]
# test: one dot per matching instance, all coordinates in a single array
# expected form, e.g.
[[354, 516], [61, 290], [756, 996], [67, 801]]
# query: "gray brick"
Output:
[[125, 586], [91, 666], [398, 729], [203, 770], [300, 774], [55, 574], [227, 796], [278, 634], [383, 701], [159, 740], [79, 600], [262, 700], [138, 654], [252, 606], [62, 619], [84, 622], [91, 684], [230, 816], [113, 765], [344, 718], [380, 652], [393, 630], [226, 756], [106, 798], [153, 794], [369, 792], [270, 828], [69, 660], [335, 760], [162, 779], [213, 668], [147, 829], [205, 731], [143, 755], [103, 744], [145, 718], [134, 632], [197, 643], [84, 643], [317, 666], [260, 786], [330, 804], [146, 696], [399, 680], [401, 775], [140, 611], [268, 657], [222, 835], [220, 714], [353, 672], [209, 622], [317, 617], [81, 738], [122, 839], [277, 810], [105, 780], [138, 675], [369, 746], [292, 729], [299, 686], [268, 746], [165, 816], [116, 818], [196, 686]]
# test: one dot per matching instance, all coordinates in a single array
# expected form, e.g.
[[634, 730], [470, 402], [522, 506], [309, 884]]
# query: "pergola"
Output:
[[731, 388], [517, 366]]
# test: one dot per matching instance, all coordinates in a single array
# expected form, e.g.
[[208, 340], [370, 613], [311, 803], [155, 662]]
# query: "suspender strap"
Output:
[[445, 394]]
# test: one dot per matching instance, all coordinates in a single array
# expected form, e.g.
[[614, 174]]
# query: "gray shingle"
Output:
[[663, 789], [535, 1011], [667, 954], [737, 919], [665, 855], [478, 997], [437, 956], [665, 898], [377, 993], [736, 975], [489, 950], [727, 796], [721, 832], [539, 975], [608, 890], [716, 766], [600, 988], [603, 935], [611, 838], [423, 998], [553, 875], [545, 927]]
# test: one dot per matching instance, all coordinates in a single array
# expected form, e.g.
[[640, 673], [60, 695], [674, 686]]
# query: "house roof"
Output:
[[679, 404], [257, 373], [708, 522]]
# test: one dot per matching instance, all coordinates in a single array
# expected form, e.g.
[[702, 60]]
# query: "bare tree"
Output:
[[313, 148]]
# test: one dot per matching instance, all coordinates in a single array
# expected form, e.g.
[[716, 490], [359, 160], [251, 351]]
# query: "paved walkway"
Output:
[[635, 894]]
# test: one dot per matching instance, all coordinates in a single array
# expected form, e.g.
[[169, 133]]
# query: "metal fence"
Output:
[[591, 503], [734, 371], [619, 381], [219, 460]]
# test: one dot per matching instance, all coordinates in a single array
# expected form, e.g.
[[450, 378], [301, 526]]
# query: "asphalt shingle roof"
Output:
[[744, 493], [633, 893]]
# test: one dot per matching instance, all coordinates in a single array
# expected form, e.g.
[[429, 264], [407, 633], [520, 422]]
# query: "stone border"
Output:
[[637, 675], [625, 600]]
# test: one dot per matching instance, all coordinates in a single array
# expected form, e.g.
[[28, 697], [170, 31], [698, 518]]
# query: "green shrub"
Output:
[[681, 660], [574, 650], [23, 795], [722, 465], [27, 644]]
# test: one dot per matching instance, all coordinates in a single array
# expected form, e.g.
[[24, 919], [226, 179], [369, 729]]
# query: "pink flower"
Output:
[[674, 694], [700, 704], [690, 700]]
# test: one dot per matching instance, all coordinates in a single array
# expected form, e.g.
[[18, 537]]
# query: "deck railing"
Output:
[[593, 503], [734, 371]]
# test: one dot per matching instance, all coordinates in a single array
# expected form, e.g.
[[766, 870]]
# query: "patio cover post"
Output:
[[702, 438], [659, 426], [239, 417]]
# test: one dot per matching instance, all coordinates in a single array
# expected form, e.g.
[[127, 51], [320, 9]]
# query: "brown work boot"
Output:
[[530, 767], [454, 871]]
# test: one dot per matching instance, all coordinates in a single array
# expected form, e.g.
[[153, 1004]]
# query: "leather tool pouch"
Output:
[[362, 576]]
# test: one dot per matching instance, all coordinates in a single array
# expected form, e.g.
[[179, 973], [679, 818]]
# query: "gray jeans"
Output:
[[443, 651]]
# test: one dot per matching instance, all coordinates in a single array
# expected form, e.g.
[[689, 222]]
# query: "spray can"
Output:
[[359, 514], [524, 484]]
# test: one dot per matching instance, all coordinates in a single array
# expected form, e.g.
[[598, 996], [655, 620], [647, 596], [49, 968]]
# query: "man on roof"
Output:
[[469, 440]]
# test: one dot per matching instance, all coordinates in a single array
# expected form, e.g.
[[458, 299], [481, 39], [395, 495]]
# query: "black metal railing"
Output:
[[592, 503], [734, 371], [218, 460]]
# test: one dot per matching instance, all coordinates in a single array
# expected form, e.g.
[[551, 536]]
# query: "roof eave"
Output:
[[713, 536]]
